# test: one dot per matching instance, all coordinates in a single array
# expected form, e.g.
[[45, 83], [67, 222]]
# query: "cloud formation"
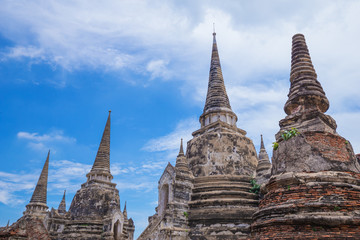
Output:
[[45, 141], [171, 141]]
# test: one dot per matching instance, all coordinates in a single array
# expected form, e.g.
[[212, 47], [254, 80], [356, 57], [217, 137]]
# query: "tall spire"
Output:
[[37, 205], [102, 160], [100, 171], [62, 205], [217, 105], [306, 92], [40, 192], [216, 98]]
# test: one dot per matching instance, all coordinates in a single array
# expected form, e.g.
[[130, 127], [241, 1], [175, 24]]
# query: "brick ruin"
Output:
[[94, 212], [311, 190], [221, 188], [314, 189]]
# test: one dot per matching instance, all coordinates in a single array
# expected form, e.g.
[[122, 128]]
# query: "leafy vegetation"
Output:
[[289, 134], [275, 145], [337, 208], [255, 187], [286, 135]]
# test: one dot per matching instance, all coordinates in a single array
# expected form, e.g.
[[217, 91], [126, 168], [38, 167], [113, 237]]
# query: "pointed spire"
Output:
[[217, 97], [62, 205], [125, 211], [102, 160], [262, 153], [306, 92], [7, 225], [217, 106], [40, 192], [181, 151], [262, 146]]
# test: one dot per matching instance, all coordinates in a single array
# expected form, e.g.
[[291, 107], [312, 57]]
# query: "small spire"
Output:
[[7, 225], [181, 151], [262, 146], [305, 92], [102, 160], [125, 211], [40, 192], [62, 205], [214, 33], [262, 153]]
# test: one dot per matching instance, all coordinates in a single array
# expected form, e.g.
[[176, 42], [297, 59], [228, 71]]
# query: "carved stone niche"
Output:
[[165, 188]]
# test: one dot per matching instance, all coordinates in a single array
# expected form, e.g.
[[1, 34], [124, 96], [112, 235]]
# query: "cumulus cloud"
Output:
[[53, 136], [63, 174], [158, 68], [42, 142], [171, 141], [13, 185]]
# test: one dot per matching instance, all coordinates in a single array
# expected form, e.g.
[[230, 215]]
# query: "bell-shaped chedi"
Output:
[[223, 161], [313, 192], [95, 209], [318, 141], [32, 225]]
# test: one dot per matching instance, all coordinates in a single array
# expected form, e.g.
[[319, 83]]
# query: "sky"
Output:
[[64, 64]]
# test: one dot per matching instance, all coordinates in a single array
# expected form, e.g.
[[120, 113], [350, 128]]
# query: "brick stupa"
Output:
[[314, 189]]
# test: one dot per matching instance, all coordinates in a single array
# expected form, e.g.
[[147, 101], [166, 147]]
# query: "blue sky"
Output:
[[64, 64]]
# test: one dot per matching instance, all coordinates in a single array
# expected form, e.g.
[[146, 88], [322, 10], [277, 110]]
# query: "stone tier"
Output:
[[221, 207], [83, 230], [322, 205]]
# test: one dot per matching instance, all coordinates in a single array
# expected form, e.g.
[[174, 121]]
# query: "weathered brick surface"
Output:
[[323, 205], [332, 147]]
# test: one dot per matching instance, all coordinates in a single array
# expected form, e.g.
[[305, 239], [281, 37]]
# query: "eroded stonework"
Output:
[[209, 188], [94, 212], [314, 190]]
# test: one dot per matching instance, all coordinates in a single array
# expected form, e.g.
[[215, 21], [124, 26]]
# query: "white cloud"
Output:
[[172, 140], [53, 136], [157, 68], [21, 51], [44, 142], [63, 174], [140, 186], [12, 185]]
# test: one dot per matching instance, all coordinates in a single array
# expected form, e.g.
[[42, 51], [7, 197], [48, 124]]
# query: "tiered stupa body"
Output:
[[223, 161], [314, 189]]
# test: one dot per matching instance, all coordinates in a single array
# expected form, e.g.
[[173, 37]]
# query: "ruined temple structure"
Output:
[[314, 190], [207, 194], [220, 189], [94, 212]]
